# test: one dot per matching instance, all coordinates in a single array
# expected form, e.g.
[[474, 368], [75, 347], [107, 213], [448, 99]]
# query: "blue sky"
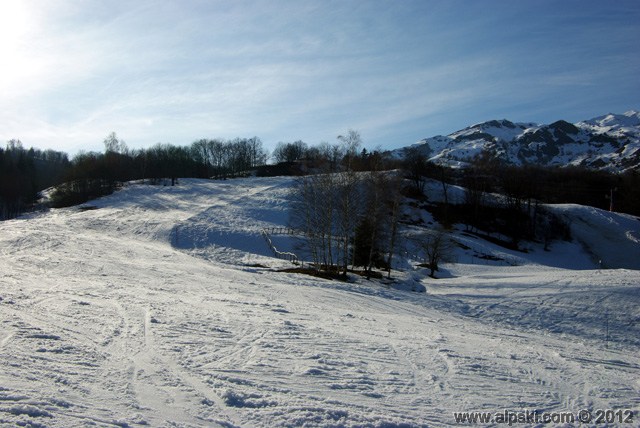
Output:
[[396, 71]]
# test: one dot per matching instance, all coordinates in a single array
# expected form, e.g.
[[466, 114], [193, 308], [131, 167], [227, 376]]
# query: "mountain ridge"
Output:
[[609, 142]]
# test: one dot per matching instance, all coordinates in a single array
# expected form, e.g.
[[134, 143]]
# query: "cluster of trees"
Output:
[[23, 173], [291, 152], [517, 213], [94, 174], [493, 203], [222, 158], [348, 218], [328, 157], [26, 172], [351, 218], [570, 184], [523, 188]]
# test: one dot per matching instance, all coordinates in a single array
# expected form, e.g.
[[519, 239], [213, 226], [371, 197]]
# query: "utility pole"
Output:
[[611, 190], [606, 343], [611, 201]]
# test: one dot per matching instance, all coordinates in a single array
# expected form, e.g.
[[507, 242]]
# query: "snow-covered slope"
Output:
[[609, 142], [613, 239], [146, 308]]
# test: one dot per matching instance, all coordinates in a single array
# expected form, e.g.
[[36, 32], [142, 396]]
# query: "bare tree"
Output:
[[313, 211], [218, 151], [369, 229], [351, 143], [378, 220], [114, 145], [437, 247], [328, 156], [200, 151], [476, 187], [326, 206], [289, 152], [338, 208], [14, 145], [394, 194], [415, 163], [349, 195]]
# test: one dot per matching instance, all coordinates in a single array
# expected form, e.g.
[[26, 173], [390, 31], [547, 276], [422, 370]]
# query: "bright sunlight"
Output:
[[14, 24]]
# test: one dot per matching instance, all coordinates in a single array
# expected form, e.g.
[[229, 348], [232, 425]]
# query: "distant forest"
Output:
[[24, 173]]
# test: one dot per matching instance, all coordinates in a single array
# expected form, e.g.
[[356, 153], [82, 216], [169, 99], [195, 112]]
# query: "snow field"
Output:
[[149, 311]]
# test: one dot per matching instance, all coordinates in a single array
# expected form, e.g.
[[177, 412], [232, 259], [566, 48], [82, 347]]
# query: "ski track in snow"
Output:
[[108, 319]]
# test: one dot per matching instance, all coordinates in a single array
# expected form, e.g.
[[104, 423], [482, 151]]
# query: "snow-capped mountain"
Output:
[[610, 142]]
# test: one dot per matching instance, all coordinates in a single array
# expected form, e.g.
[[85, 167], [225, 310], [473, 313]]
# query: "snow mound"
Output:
[[611, 238]]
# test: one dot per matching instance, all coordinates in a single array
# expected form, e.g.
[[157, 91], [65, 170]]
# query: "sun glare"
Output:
[[14, 25]]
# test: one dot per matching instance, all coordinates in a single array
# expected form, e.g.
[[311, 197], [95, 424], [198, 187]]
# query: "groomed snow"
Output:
[[147, 308]]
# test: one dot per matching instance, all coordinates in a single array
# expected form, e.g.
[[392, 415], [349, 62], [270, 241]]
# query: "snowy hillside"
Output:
[[609, 142], [162, 306]]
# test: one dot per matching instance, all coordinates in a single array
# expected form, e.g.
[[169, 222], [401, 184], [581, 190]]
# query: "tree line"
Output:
[[299, 158], [26, 172], [95, 174], [509, 200]]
